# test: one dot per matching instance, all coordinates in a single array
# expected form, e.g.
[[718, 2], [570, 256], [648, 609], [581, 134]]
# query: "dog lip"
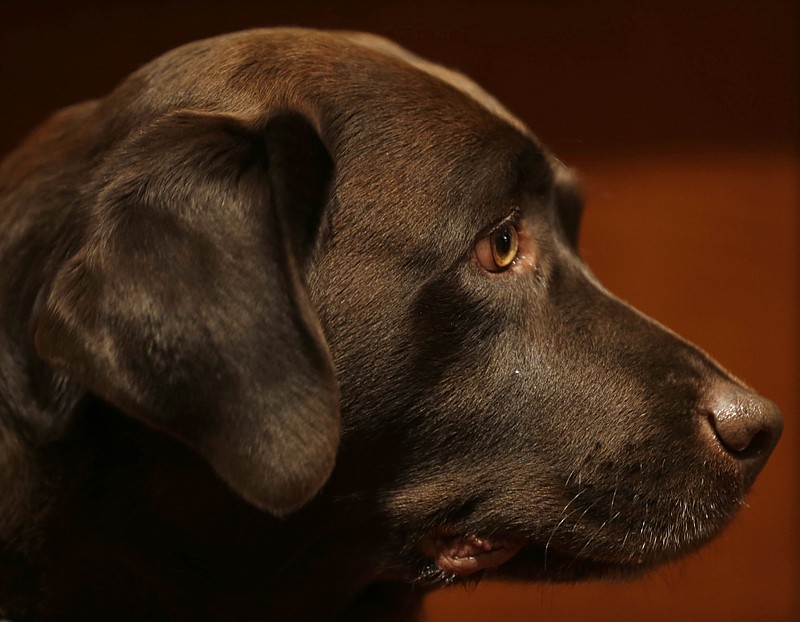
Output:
[[463, 555]]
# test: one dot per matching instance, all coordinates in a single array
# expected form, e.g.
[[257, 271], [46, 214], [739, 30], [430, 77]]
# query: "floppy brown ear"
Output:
[[185, 306]]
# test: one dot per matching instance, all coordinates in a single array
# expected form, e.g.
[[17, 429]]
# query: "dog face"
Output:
[[293, 250], [515, 410]]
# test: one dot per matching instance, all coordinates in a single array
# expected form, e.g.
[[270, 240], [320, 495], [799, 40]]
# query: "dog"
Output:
[[293, 326]]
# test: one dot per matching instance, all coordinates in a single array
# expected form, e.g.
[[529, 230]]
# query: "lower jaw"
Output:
[[515, 561], [460, 556], [536, 564]]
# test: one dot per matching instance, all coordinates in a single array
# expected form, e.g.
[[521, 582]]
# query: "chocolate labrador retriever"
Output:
[[293, 327]]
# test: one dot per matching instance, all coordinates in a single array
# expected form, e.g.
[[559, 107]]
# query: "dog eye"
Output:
[[498, 250]]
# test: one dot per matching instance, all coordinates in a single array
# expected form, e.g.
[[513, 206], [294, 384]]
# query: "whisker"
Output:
[[565, 516]]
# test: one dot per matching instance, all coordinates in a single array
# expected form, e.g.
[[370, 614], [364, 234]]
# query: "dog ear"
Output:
[[185, 306]]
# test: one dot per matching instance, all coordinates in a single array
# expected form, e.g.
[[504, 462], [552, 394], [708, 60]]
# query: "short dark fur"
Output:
[[249, 364]]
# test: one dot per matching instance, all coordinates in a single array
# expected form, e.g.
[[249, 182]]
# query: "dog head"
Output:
[[293, 250]]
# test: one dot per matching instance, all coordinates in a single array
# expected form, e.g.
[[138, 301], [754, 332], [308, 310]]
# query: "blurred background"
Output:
[[682, 120]]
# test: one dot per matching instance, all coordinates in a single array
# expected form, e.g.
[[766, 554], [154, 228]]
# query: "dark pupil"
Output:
[[502, 242]]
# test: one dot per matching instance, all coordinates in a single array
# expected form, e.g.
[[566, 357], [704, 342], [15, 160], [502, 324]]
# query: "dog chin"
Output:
[[454, 562], [537, 564], [471, 558]]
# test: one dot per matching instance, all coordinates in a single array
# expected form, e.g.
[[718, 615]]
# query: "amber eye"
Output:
[[497, 251]]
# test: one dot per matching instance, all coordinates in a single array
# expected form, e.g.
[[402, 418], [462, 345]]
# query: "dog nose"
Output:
[[746, 425]]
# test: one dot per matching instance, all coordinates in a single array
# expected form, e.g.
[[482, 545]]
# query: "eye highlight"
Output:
[[498, 250]]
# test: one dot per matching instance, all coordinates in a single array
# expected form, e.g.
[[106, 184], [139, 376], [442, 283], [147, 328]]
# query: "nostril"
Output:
[[746, 424]]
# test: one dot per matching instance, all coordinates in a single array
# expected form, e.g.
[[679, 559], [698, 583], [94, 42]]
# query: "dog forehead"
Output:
[[456, 79], [338, 59], [338, 72], [424, 148]]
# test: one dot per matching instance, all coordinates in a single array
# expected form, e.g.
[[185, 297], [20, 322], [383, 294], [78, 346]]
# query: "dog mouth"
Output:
[[464, 555], [455, 557]]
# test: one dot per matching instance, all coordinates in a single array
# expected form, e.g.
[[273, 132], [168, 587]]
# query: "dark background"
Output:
[[681, 118]]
